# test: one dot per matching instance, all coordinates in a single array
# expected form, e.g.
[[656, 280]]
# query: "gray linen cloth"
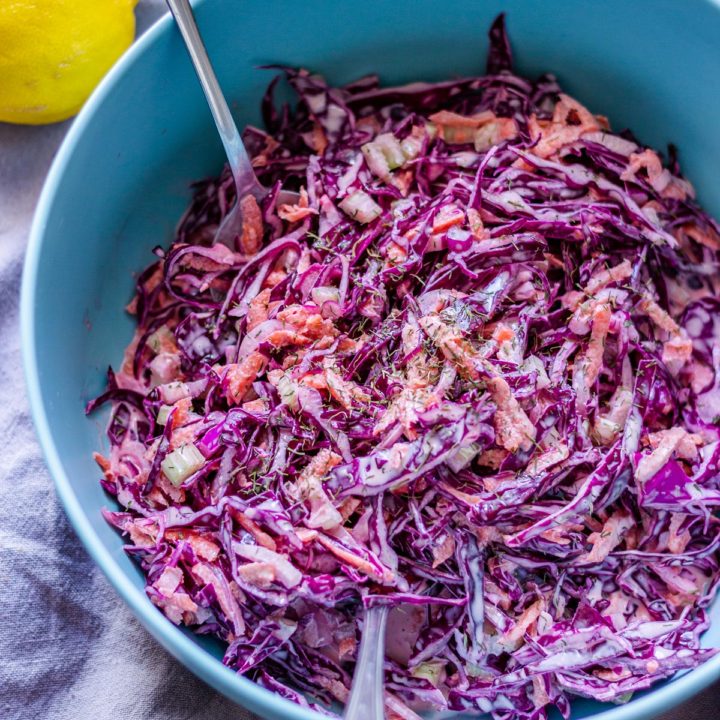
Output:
[[69, 648]]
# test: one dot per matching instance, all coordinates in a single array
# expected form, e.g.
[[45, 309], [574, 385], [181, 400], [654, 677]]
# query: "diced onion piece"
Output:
[[327, 293], [411, 147], [361, 207], [180, 464], [288, 392], [533, 362], [163, 412], [462, 457], [376, 160], [391, 149], [383, 154], [432, 671]]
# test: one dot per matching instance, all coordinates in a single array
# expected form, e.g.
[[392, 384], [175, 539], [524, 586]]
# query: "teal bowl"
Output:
[[121, 181]]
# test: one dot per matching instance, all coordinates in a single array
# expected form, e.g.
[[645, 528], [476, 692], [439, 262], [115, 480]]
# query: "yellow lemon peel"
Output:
[[54, 52]]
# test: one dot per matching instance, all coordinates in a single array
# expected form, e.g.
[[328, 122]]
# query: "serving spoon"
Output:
[[246, 182], [367, 701]]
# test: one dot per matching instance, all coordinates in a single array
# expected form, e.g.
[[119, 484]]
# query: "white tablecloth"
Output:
[[69, 648]]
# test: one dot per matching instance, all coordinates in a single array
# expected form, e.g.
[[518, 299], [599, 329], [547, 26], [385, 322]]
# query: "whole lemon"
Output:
[[54, 52]]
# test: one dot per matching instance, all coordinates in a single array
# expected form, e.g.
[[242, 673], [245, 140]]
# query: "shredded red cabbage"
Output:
[[471, 374]]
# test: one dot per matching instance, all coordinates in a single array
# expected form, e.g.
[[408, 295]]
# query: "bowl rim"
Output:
[[237, 688]]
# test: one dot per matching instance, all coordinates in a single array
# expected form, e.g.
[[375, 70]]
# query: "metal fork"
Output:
[[246, 182], [367, 701]]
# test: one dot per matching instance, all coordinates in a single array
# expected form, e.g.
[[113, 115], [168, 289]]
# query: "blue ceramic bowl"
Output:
[[120, 183]]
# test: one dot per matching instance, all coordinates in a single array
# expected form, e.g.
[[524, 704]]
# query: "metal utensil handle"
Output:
[[240, 165], [367, 696]]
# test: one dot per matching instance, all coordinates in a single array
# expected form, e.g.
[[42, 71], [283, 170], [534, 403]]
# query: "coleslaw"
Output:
[[471, 374]]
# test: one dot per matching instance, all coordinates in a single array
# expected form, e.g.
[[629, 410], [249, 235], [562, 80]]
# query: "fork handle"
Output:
[[367, 693], [237, 156]]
